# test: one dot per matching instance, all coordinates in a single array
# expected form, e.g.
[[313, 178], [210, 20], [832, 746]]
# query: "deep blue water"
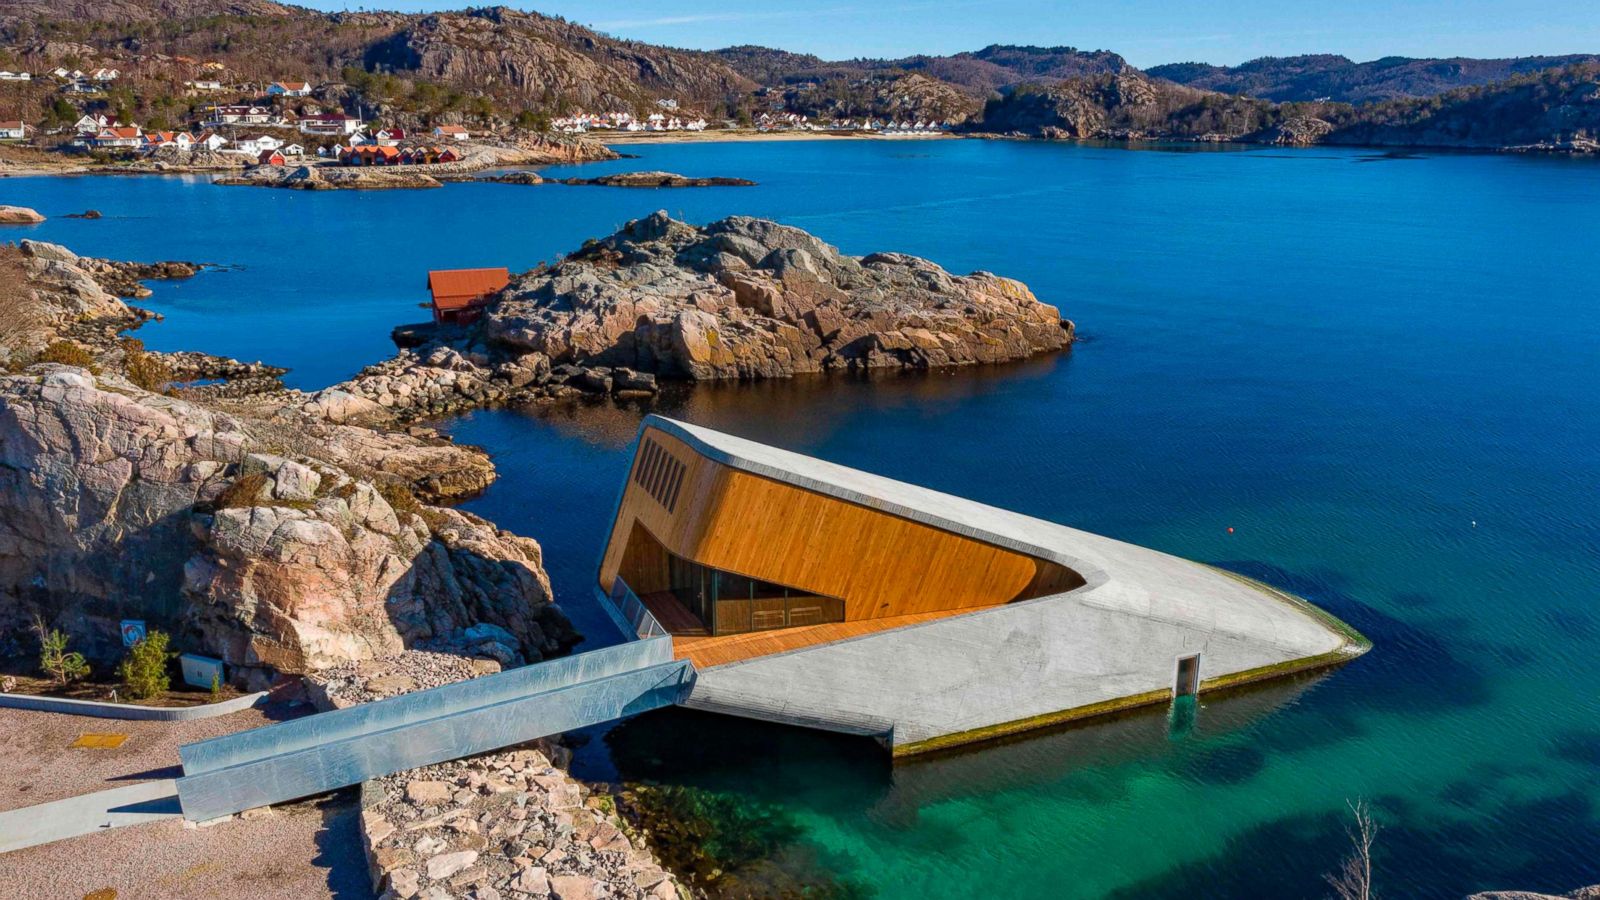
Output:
[[1383, 373]]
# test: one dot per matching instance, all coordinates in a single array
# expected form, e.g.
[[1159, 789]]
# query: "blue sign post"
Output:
[[132, 631]]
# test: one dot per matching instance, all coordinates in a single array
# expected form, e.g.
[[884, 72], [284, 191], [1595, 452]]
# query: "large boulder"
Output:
[[19, 215], [118, 503], [750, 298]]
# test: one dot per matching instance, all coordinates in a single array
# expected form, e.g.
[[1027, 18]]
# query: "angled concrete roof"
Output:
[[1114, 637]]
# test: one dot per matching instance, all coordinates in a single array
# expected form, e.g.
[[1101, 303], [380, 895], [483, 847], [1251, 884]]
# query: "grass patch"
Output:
[[246, 490]]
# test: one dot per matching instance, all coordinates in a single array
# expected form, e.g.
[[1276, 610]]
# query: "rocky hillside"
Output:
[[1128, 105], [1338, 78], [978, 74], [550, 61], [272, 536], [513, 60], [139, 10], [748, 298], [880, 95], [1556, 109]]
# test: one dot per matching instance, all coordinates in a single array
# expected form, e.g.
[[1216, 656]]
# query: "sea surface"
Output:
[[1381, 372]]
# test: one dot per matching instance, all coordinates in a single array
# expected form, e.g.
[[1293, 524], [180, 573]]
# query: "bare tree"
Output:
[[1353, 879]]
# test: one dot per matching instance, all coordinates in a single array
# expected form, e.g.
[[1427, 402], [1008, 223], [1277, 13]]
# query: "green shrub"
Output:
[[55, 660], [144, 669], [143, 368], [67, 354], [399, 496]]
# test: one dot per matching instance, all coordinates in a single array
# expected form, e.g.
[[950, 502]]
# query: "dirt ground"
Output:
[[310, 849], [302, 851]]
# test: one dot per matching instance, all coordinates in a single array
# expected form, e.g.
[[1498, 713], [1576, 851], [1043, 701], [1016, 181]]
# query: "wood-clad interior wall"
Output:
[[879, 564]]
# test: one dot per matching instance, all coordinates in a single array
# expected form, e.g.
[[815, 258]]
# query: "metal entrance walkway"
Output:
[[336, 749]]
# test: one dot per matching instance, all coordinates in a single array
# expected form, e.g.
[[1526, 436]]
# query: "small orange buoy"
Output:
[[1230, 529]]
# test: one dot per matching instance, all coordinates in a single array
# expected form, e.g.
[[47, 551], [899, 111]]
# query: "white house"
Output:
[[387, 137], [14, 131], [81, 87], [254, 146], [329, 123], [209, 140], [119, 137], [15, 76], [451, 132], [293, 150], [203, 85], [240, 115], [65, 75], [288, 89], [90, 124], [179, 139], [104, 75]]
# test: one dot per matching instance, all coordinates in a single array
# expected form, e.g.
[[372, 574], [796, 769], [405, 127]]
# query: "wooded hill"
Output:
[[499, 66]]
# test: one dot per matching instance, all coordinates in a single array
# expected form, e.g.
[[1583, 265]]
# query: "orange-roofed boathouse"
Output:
[[458, 294]]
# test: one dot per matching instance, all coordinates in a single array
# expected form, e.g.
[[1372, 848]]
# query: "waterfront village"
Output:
[[285, 122]]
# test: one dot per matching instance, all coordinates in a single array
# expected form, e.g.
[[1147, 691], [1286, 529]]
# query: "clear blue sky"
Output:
[[1147, 32]]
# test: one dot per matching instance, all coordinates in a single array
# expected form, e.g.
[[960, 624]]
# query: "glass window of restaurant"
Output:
[[733, 604]]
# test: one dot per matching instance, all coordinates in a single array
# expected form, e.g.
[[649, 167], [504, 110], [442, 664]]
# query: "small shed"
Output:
[[458, 294]]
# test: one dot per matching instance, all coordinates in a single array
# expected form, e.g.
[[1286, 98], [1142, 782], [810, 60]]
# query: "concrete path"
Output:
[[147, 801]]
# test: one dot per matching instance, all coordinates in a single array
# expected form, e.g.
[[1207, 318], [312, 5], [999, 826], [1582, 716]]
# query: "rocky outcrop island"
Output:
[[750, 298]]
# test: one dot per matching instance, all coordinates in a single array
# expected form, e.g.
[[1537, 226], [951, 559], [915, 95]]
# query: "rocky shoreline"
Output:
[[507, 824], [624, 179], [278, 540], [330, 178], [503, 825]]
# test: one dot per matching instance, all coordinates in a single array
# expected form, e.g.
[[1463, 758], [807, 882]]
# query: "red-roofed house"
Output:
[[451, 132], [119, 136], [459, 294]]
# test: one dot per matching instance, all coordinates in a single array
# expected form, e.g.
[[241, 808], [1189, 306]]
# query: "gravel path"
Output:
[[302, 851], [299, 851], [38, 763]]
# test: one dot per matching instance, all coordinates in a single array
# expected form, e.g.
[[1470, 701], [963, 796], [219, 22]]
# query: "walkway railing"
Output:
[[635, 616]]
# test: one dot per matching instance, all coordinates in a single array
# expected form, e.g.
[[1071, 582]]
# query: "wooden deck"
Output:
[[706, 651]]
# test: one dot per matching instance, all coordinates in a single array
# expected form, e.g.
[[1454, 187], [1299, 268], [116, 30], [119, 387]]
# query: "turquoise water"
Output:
[[1382, 372]]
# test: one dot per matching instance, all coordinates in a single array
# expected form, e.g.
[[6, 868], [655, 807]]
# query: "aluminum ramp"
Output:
[[336, 749]]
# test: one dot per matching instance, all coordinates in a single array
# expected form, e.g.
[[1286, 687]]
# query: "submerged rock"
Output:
[[749, 298]]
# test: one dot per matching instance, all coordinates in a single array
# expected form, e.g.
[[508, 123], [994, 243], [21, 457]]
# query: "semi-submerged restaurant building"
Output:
[[813, 594]]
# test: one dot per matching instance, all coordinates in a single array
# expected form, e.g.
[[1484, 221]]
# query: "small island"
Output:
[[624, 179]]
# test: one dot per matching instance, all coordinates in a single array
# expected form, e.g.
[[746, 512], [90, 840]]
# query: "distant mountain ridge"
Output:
[[498, 67], [1550, 109], [1338, 78], [979, 72]]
